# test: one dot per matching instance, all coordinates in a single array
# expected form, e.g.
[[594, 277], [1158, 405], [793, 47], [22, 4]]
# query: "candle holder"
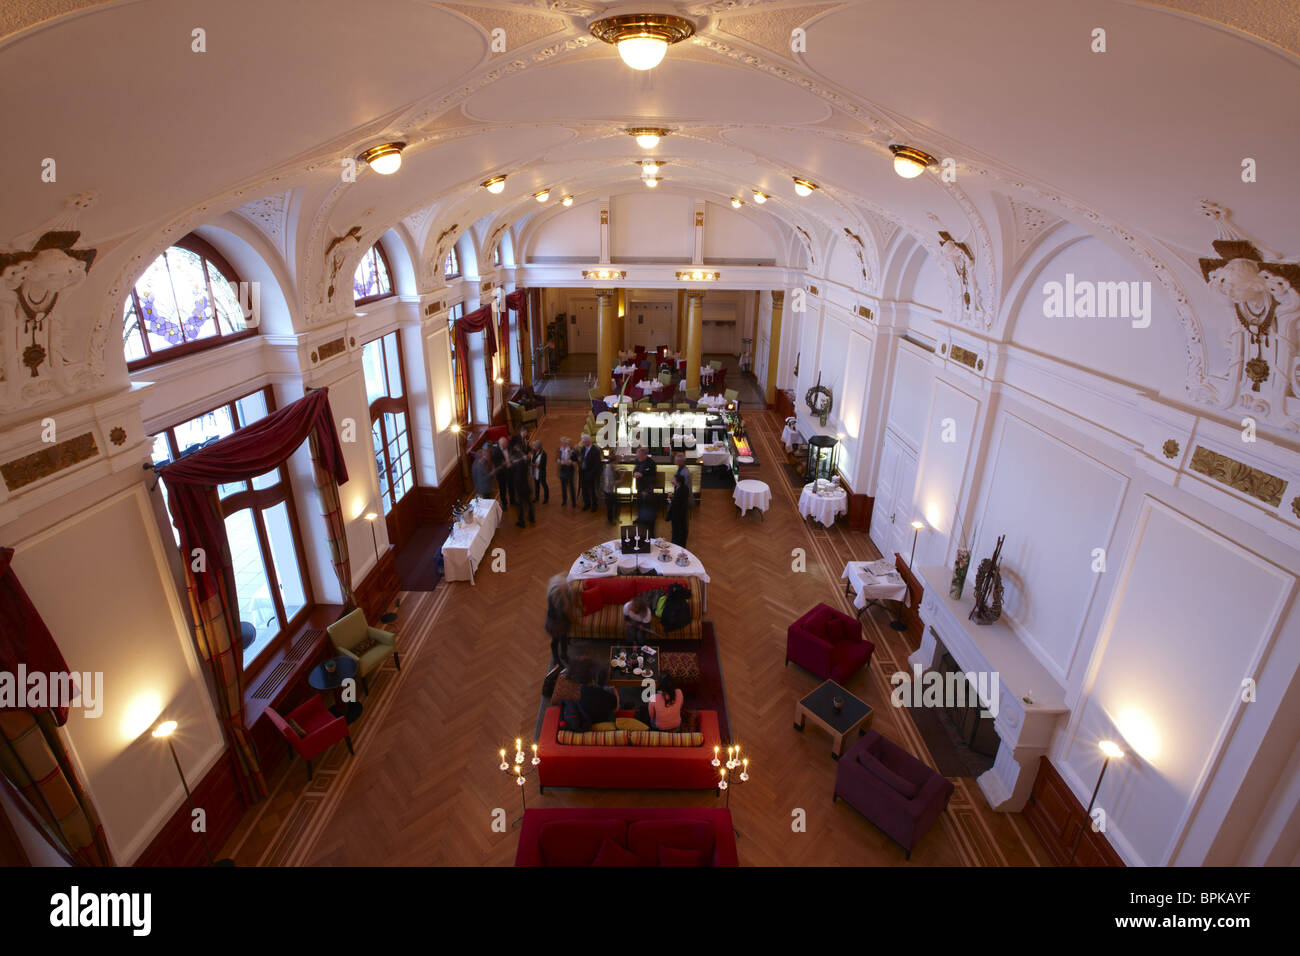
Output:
[[521, 769], [729, 778]]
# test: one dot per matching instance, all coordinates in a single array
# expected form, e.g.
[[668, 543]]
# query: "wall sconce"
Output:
[[698, 275]]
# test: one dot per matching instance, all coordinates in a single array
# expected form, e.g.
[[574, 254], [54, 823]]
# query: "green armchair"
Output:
[[368, 646]]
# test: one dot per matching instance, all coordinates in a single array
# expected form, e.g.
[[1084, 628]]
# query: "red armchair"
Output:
[[321, 730], [828, 643], [891, 788]]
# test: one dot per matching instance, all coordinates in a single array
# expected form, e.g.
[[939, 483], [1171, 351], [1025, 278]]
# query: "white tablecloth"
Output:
[[714, 402], [788, 435], [624, 369], [706, 374], [466, 545], [752, 493], [694, 568], [823, 508], [646, 386], [875, 581], [714, 455]]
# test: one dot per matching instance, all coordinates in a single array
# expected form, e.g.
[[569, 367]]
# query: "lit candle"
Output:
[[504, 765], [716, 761], [536, 759], [519, 744]]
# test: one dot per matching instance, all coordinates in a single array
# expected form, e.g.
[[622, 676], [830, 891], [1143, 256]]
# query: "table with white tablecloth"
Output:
[[752, 493], [624, 369], [822, 502], [713, 402], [467, 543], [715, 454], [873, 582], [585, 567], [790, 437]]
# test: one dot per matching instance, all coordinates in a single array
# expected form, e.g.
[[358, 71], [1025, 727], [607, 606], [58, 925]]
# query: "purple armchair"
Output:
[[828, 643], [892, 789]]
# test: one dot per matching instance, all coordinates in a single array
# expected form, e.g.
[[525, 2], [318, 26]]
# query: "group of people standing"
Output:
[[518, 468]]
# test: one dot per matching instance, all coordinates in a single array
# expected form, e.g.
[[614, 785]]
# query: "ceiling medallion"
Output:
[[642, 39], [384, 159], [647, 137], [1170, 448], [910, 162], [603, 275], [494, 185], [698, 275]]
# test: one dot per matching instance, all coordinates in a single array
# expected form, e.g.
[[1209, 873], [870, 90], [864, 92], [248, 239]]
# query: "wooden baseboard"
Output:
[[1057, 816], [217, 794]]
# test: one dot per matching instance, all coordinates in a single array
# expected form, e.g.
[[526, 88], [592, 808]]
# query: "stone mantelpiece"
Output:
[[1025, 729]]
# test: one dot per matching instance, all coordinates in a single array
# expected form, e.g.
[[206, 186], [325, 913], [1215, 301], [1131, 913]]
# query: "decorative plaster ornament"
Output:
[[30, 285], [338, 252], [961, 274]]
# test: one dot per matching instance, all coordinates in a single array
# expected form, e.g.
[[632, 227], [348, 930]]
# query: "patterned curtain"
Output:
[[332, 512], [480, 320], [33, 756], [205, 550]]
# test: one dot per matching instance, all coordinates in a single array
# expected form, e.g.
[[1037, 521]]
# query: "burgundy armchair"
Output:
[[321, 730], [892, 789], [828, 643]]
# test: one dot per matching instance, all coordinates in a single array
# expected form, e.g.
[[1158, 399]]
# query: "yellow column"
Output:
[[622, 321], [774, 346], [606, 319], [694, 336], [679, 345]]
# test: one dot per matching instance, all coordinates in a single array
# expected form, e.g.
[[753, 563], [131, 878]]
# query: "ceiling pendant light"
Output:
[[542, 195], [385, 159], [649, 167], [642, 39], [910, 162], [494, 185], [803, 187], [759, 197], [736, 203], [566, 201], [651, 181], [647, 137]]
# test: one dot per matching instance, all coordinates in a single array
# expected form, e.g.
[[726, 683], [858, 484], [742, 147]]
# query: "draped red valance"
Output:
[[253, 450], [24, 638]]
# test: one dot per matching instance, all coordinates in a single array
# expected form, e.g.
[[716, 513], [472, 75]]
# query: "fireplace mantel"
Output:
[[1024, 728]]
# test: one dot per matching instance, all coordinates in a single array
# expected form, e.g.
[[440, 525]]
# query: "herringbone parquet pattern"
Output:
[[424, 783]]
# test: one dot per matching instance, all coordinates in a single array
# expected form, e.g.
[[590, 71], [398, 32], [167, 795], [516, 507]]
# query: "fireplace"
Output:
[[978, 733]]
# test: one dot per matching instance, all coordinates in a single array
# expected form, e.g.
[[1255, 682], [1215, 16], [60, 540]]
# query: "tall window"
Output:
[[271, 584], [382, 362], [373, 278], [496, 255], [451, 267], [463, 413], [188, 299]]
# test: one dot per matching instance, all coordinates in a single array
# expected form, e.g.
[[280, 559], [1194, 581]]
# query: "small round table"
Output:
[[321, 679], [823, 505], [752, 493]]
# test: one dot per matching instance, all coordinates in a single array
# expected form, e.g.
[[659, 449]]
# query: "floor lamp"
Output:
[[372, 517], [1110, 749], [901, 625], [163, 730]]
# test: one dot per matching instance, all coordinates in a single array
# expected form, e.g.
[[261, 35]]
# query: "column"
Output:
[[694, 336], [620, 338], [680, 344], [774, 346], [525, 332], [606, 320]]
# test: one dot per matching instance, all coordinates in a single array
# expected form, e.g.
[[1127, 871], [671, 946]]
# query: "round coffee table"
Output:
[[321, 679]]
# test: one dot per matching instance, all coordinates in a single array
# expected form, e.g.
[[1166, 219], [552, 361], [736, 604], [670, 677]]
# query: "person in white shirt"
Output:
[[567, 458]]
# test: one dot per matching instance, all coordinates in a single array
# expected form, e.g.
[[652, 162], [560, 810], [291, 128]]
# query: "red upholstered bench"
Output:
[[639, 837]]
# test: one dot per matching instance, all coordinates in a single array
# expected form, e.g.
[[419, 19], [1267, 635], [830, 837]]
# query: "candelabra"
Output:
[[520, 770], [724, 785]]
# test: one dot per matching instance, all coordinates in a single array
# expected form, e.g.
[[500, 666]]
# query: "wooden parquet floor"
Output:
[[424, 783]]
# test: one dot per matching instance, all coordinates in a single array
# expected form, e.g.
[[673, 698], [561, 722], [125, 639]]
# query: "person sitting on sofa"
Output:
[[664, 712], [597, 700], [637, 616]]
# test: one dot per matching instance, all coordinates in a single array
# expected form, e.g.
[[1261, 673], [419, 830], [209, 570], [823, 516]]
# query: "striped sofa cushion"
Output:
[[660, 738], [607, 622], [593, 738]]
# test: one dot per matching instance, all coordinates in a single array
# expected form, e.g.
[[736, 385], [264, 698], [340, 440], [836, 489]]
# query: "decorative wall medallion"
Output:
[[117, 436], [48, 461], [1170, 448], [1238, 476], [338, 252], [813, 290], [352, 342], [32, 339], [314, 358], [333, 348], [1264, 352], [979, 366], [965, 356], [943, 349], [699, 218], [1295, 506], [604, 217]]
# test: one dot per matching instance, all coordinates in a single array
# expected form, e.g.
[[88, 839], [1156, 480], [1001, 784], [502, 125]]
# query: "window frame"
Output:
[[205, 250], [259, 500], [452, 256], [378, 246], [386, 404]]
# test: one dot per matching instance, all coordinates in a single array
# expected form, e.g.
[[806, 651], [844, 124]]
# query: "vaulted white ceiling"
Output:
[[167, 138]]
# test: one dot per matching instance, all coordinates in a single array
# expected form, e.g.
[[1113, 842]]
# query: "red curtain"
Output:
[[480, 320], [33, 756]]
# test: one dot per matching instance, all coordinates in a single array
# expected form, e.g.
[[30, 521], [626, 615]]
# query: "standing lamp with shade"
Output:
[[1110, 749], [916, 530], [372, 516], [163, 730]]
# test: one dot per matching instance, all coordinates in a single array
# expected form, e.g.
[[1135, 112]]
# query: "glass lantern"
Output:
[[822, 458]]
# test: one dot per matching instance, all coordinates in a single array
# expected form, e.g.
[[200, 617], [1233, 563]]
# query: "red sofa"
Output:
[[602, 601], [828, 643], [627, 767], [575, 837]]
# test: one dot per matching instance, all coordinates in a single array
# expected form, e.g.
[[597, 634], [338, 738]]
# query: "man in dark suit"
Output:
[[645, 468], [501, 469], [679, 509], [589, 468], [539, 472], [519, 467]]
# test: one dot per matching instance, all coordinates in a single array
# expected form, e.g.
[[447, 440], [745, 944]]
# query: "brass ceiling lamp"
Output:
[[910, 162], [494, 185], [643, 39], [647, 137], [384, 159], [803, 187]]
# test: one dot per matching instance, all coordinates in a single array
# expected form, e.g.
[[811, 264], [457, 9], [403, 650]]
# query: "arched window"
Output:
[[496, 255], [451, 268], [189, 299], [373, 278]]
